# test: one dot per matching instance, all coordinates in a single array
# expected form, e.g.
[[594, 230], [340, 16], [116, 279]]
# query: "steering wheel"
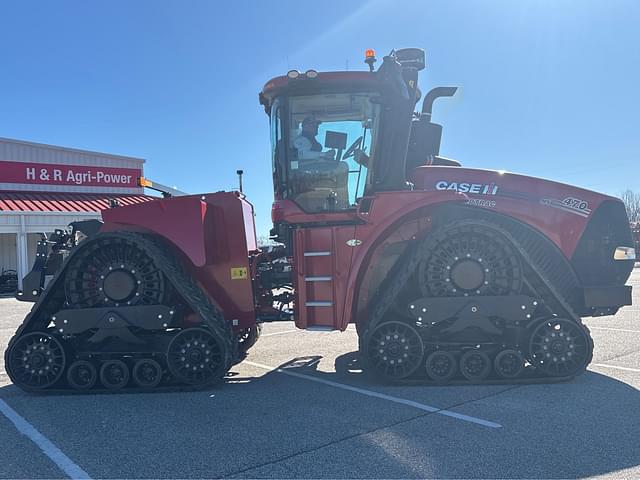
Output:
[[349, 152]]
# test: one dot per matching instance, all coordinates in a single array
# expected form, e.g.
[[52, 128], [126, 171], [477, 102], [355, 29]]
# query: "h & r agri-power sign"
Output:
[[79, 175]]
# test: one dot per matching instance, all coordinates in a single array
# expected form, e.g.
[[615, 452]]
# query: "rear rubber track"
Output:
[[53, 300]]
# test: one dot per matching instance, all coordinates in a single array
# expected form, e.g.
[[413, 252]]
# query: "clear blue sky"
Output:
[[549, 87]]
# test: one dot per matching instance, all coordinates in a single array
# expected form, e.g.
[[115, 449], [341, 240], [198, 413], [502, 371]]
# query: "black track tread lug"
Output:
[[53, 299], [534, 277]]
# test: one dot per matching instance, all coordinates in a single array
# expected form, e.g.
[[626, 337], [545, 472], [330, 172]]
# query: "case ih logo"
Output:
[[81, 175], [481, 188]]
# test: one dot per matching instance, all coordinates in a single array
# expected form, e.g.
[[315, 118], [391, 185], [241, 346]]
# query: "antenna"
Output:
[[240, 172]]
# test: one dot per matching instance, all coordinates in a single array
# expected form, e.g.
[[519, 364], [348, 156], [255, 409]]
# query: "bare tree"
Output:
[[632, 203]]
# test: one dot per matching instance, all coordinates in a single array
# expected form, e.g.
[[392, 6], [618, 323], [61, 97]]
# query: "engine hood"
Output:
[[562, 212], [493, 185]]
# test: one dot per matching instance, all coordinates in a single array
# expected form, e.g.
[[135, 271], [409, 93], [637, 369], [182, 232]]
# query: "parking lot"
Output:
[[300, 407]]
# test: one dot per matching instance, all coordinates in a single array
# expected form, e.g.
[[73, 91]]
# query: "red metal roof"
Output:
[[64, 202]]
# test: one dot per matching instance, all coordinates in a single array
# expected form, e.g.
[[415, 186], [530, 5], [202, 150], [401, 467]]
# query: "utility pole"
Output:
[[240, 172]]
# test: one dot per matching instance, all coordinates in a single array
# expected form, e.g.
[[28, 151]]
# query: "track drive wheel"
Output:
[[559, 347], [508, 364], [394, 350], [475, 365], [196, 356], [82, 375], [36, 361], [147, 373], [112, 271], [114, 374], [468, 260], [441, 366]]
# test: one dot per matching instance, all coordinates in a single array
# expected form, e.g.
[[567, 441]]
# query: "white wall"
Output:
[[8, 255]]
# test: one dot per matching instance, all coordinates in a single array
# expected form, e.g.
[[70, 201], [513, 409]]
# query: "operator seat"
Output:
[[321, 185]]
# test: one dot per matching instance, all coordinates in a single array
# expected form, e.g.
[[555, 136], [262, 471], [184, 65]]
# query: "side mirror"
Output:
[[337, 140]]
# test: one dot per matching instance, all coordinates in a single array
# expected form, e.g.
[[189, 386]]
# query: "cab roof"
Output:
[[328, 80]]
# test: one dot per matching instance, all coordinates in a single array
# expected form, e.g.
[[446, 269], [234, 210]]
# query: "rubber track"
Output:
[[53, 299], [403, 270]]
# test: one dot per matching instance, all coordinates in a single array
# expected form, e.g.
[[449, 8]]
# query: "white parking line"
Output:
[[614, 329], [371, 393], [279, 333], [48, 448], [615, 367]]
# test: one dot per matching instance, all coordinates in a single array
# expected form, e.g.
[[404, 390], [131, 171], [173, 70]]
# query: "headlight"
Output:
[[624, 253]]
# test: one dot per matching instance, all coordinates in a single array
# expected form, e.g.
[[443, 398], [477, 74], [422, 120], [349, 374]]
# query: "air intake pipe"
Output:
[[424, 143], [432, 96]]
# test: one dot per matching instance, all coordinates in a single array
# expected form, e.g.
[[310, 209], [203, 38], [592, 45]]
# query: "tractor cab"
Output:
[[338, 136], [324, 134]]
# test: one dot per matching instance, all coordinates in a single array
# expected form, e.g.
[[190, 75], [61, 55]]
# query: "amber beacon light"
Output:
[[370, 58]]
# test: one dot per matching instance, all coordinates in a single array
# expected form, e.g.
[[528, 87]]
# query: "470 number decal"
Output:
[[569, 204]]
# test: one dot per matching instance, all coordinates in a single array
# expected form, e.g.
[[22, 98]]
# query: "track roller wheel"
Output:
[[560, 347], [82, 375], [147, 373], [475, 365], [394, 350], [114, 374], [196, 356], [508, 364], [441, 366], [36, 361]]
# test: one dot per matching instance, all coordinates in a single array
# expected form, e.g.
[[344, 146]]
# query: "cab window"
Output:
[[331, 146]]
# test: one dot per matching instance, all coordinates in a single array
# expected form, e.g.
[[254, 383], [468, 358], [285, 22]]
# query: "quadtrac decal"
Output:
[[465, 187], [480, 202], [569, 204]]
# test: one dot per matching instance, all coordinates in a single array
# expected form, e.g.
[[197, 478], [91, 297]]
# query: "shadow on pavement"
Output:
[[584, 427], [275, 426]]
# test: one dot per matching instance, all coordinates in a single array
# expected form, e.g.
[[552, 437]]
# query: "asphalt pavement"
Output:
[[299, 407]]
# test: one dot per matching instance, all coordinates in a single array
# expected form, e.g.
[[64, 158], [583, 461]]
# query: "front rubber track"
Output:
[[534, 280]]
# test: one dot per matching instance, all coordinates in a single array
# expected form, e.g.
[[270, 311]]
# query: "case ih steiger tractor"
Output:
[[450, 274]]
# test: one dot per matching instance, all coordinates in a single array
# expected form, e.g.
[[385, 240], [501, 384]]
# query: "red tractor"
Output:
[[450, 274]]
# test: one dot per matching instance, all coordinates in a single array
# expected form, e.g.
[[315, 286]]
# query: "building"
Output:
[[45, 187]]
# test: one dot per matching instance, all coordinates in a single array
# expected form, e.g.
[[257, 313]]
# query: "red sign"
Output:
[[79, 175]]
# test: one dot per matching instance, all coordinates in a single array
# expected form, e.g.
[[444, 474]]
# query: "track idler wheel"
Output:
[[248, 337], [560, 347], [508, 364], [441, 366], [114, 374], [147, 373], [82, 375], [196, 356], [475, 365], [394, 350], [36, 361]]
